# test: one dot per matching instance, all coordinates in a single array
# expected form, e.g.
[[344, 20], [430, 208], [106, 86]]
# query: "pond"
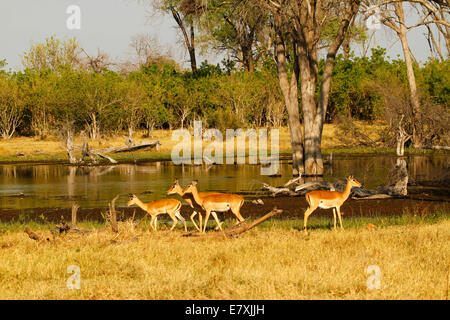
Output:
[[25, 186]]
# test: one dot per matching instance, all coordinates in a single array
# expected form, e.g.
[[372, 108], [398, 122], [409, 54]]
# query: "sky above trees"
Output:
[[108, 25]]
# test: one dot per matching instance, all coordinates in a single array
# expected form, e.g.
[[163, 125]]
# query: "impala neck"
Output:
[[348, 189], [140, 204], [196, 195]]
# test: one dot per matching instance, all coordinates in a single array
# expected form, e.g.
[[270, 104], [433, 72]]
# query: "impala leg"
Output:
[[156, 223], [193, 221], [152, 222], [305, 218], [340, 218], [178, 215], [237, 213], [206, 220], [334, 216], [219, 224], [175, 221], [200, 221]]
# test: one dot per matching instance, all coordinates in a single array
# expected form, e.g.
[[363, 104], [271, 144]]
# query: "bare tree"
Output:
[[10, 108], [185, 13], [301, 22], [96, 63], [393, 16]]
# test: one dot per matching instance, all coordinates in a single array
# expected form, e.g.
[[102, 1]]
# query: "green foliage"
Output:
[[160, 96]]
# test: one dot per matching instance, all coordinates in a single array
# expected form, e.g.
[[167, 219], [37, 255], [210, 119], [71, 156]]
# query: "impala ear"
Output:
[[176, 181], [194, 182]]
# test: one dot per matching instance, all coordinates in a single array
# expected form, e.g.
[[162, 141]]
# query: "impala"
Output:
[[329, 199], [188, 197], [155, 208], [218, 202]]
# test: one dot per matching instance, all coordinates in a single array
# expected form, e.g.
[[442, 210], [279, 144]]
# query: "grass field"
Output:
[[51, 149], [273, 261]]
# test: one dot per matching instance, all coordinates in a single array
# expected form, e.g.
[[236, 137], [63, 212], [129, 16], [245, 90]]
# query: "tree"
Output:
[[11, 107], [53, 54], [100, 92], [185, 13], [393, 15], [133, 99], [235, 26], [300, 23]]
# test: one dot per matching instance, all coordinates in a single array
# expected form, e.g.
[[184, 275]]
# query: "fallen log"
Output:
[[315, 185], [239, 228], [243, 227], [91, 153], [373, 197], [101, 155], [440, 147], [276, 190], [134, 148]]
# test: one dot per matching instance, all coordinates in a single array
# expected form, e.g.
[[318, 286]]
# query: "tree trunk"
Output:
[[290, 95], [189, 41], [415, 103], [312, 122], [94, 126], [192, 51], [247, 58]]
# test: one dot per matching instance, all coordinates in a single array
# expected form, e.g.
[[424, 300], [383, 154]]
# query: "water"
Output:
[[25, 186]]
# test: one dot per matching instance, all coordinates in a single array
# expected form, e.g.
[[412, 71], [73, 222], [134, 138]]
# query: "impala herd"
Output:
[[213, 202]]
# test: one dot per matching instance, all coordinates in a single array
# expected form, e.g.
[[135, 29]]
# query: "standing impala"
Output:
[[155, 208], [329, 199], [189, 198], [217, 202]]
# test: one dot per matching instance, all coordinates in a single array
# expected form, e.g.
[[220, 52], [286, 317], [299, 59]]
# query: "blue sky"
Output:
[[109, 25]]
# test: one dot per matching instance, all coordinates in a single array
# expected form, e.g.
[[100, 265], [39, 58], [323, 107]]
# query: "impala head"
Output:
[[175, 188], [132, 200], [353, 182], [191, 186]]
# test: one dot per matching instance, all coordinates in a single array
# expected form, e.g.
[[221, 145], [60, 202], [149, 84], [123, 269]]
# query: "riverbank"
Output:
[[50, 150], [419, 206], [273, 261]]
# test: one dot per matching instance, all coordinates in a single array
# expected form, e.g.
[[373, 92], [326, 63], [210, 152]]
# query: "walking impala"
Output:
[[155, 208], [329, 199], [189, 198], [218, 202]]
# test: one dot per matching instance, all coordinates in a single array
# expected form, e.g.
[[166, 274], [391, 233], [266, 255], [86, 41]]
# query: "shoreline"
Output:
[[293, 208], [142, 157]]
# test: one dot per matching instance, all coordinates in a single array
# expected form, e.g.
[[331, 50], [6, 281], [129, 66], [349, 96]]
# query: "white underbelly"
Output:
[[221, 207], [325, 206]]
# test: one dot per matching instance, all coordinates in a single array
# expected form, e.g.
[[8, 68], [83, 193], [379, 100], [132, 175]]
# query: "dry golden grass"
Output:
[[269, 263], [51, 148]]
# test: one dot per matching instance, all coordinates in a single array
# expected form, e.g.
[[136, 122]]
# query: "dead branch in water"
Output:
[[395, 186], [276, 190], [91, 153]]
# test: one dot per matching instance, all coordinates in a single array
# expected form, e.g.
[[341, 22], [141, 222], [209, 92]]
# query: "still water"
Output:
[[32, 186]]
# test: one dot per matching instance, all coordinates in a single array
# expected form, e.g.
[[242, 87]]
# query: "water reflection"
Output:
[[27, 186]]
